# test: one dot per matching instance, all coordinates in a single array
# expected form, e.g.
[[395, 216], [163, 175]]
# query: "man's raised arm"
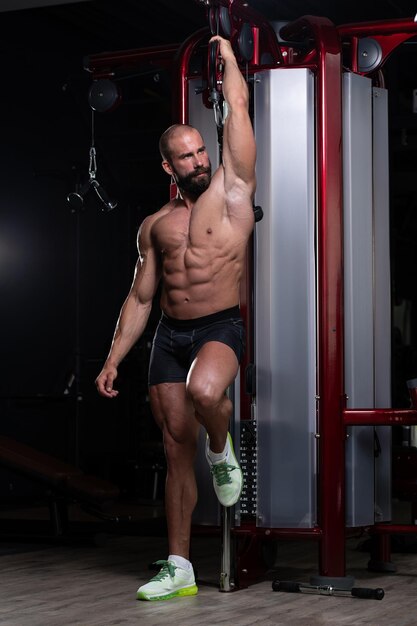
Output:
[[239, 149]]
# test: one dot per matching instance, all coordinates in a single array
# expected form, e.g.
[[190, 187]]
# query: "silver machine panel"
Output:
[[382, 297], [366, 294], [285, 300], [358, 280]]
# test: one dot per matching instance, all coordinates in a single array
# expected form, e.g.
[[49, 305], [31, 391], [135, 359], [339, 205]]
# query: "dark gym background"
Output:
[[64, 274]]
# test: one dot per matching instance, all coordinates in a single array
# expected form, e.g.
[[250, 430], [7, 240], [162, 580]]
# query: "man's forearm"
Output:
[[235, 89], [129, 328]]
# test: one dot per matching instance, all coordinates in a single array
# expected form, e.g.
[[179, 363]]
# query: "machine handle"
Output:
[[357, 592], [286, 585], [214, 72], [367, 593]]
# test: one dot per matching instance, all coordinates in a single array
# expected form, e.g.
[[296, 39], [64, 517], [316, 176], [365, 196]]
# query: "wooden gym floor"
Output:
[[94, 585]]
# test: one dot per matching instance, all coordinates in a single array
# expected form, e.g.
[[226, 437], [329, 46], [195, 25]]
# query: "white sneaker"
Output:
[[170, 582], [227, 476]]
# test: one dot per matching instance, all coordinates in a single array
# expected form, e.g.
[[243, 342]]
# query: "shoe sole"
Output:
[[180, 593]]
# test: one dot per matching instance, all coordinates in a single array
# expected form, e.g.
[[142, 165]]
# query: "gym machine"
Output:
[[313, 394]]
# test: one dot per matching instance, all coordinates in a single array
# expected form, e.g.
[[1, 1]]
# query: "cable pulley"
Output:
[[76, 198]]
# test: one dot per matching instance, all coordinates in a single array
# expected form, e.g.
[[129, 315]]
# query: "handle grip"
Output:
[[368, 594], [213, 60], [286, 585]]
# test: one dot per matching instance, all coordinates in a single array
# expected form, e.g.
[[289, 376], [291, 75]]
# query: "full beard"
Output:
[[193, 184]]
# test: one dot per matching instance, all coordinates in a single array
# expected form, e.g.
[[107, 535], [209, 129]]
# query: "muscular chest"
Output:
[[180, 233], [171, 234]]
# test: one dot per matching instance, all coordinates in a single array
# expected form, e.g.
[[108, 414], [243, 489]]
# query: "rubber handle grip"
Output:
[[366, 593], [286, 585], [213, 59]]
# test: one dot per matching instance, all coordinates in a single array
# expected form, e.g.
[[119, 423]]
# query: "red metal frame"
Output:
[[333, 415], [123, 62], [389, 35], [330, 298], [331, 483], [181, 70], [379, 417]]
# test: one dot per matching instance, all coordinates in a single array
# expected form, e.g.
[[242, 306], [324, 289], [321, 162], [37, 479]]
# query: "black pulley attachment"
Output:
[[76, 198]]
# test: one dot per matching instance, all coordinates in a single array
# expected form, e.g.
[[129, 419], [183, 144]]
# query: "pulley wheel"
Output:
[[104, 95], [225, 24], [245, 42], [213, 19], [369, 54]]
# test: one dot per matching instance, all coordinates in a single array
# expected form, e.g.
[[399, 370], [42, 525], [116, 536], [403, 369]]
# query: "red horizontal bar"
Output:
[[393, 529], [379, 417], [132, 57], [383, 27], [283, 533]]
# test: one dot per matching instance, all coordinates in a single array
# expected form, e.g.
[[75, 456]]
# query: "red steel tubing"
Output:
[[180, 113], [107, 63], [330, 299], [391, 27], [393, 529], [379, 417]]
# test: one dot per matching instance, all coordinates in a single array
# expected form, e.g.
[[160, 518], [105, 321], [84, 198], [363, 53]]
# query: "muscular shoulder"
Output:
[[145, 229]]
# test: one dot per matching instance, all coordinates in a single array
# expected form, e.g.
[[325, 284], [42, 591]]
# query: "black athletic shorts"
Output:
[[177, 342]]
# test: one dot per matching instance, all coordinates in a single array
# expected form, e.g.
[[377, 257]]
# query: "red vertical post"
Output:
[[330, 301], [181, 69], [331, 428]]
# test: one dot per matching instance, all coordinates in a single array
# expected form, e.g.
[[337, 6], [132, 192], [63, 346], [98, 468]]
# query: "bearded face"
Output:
[[196, 182]]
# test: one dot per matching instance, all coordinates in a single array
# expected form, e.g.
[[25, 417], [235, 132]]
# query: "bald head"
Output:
[[165, 142]]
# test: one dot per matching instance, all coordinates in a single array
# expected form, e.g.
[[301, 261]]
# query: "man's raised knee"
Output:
[[204, 396]]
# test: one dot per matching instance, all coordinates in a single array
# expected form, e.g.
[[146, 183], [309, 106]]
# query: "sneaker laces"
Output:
[[221, 473], [167, 569]]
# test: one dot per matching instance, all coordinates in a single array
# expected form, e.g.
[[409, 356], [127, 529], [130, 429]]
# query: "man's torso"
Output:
[[202, 252]]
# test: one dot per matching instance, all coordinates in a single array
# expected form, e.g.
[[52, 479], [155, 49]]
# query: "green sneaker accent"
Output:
[[227, 476], [221, 473], [170, 582], [181, 593], [167, 569]]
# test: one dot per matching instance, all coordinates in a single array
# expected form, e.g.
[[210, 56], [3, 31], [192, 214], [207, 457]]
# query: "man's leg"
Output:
[[212, 371], [174, 413]]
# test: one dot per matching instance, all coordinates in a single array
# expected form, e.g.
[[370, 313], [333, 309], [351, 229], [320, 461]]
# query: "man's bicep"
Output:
[[147, 277], [147, 270]]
